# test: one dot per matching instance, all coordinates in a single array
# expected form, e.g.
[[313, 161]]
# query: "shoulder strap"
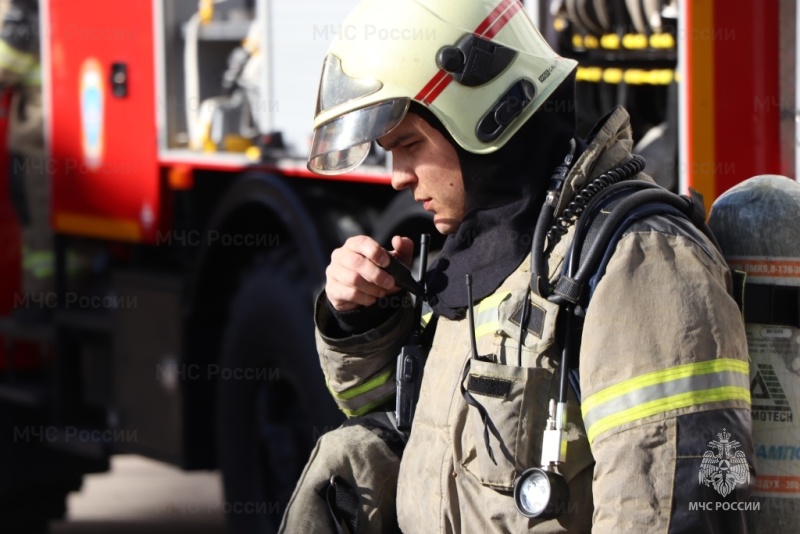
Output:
[[343, 504], [604, 221]]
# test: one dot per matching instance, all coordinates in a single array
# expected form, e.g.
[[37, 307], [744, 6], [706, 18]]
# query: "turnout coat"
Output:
[[663, 373]]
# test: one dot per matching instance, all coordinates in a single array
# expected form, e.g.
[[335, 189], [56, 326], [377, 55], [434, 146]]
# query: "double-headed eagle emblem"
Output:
[[727, 467]]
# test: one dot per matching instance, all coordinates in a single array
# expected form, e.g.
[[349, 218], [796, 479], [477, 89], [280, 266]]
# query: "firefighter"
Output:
[[478, 114], [20, 72]]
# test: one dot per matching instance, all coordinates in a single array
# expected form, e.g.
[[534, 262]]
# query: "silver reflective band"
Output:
[[682, 386], [337, 88], [342, 144]]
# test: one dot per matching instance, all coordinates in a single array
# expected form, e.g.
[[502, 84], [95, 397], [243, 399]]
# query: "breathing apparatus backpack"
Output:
[[602, 212], [755, 228], [605, 219]]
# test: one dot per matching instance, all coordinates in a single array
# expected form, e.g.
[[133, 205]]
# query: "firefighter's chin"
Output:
[[446, 225]]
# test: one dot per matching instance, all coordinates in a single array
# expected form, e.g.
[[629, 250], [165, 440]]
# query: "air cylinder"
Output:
[[757, 224]]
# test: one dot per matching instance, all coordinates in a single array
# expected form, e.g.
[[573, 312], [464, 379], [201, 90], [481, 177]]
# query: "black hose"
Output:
[[573, 211], [537, 251], [620, 212], [583, 225]]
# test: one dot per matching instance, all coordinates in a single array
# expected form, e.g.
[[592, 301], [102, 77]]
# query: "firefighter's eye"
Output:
[[411, 145]]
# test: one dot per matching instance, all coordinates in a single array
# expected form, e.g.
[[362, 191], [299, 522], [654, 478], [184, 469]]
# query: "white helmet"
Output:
[[480, 66]]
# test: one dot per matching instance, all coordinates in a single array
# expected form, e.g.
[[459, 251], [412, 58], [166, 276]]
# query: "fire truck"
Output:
[[177, 132], [177, 135]]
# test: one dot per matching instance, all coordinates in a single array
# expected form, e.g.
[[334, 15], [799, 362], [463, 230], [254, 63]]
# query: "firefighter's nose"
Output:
[[402, 177]]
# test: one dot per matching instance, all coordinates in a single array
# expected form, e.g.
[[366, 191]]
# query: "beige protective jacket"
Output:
[[663, 370]]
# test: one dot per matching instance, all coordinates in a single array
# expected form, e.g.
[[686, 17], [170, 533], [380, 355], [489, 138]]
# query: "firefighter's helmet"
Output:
[[481, 67]]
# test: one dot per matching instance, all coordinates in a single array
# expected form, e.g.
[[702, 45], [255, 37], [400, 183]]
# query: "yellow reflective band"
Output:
[[366, 408], [493, 301], [373, 383], [487, 319], [486, 329], [657, 377], [663, 405], [668, 389], [426, 319]]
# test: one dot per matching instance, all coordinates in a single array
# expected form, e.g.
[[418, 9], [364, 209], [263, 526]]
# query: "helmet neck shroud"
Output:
[[505, 191]]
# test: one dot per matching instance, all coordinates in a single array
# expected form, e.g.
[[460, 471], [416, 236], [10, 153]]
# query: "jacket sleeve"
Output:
[[360, 369], [665, 387]]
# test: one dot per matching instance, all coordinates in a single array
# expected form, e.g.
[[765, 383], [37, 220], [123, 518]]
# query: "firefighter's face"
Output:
[[427, 164]]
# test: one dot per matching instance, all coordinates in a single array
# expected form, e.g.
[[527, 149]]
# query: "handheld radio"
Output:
[[411, 361]]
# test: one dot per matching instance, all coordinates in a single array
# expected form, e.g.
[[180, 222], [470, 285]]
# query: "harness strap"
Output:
[[343, 505], [342, 499]]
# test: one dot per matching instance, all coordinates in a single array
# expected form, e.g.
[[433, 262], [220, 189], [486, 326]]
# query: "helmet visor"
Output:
[[342, 144]]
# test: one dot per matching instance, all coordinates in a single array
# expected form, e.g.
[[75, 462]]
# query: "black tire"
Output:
[[29, 509], [268, 426], [35, 479]]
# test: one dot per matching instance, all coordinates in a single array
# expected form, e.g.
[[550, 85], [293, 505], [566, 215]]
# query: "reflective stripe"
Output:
[[425, 319], [661, 391], [374, 382], [367, 408], [487, 318], [364, 397]]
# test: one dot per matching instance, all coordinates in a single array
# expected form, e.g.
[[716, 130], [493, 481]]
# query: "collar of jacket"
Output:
[[608, 145], [504, 191]]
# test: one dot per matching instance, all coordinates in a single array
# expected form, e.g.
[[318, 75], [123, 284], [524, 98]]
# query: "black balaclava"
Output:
[[505, 191]]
